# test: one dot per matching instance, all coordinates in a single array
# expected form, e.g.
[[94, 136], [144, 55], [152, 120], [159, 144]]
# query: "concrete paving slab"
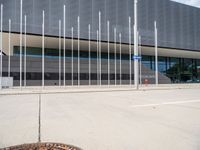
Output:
[[107, 120], [111, 120], [18, 119]]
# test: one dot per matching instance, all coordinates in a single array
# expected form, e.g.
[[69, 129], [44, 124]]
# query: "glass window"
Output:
[[146, 61], [162, 65], [186, 70], [198, 70], [173, 69]]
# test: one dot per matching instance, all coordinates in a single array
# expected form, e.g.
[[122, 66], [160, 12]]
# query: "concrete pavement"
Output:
[[111, 120], [92, 88]]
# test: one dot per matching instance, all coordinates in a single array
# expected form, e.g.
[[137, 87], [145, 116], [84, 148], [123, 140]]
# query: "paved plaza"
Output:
[[162, 118]]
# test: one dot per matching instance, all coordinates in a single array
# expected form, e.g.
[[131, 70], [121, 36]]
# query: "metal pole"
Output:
[[140, 49], [138, 57], [115, 40], [120, 49], [59, 52], [108, 30], [1, 75], [25, 51], [78, 20], [130, 57], [9, 45], [64, 50], [21, 4], [89, 54], [72, 59], [97, 57], [43, 50], [156, 53], [135, 45], [100, 48]]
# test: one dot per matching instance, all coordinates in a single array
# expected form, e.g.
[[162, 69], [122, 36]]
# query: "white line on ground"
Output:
[[166, 103]]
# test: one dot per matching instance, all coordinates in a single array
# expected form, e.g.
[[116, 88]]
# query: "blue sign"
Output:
[[137, 57]]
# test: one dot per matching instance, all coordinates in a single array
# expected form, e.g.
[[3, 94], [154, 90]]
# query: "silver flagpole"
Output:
[[135, 45], [25, 50], [140, 49], [115, 39], [1, 75], [120, 49], [108, 30], [43, 50], [78, 20], [100, 48], [89, 30], [72, 59], [97, 57], [156, 53], [9, 45], [130, 59], [138, 56], [64, 50], [21, 4], [59, 52]]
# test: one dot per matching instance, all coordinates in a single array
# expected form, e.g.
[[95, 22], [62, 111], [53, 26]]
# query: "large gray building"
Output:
[[178, 40]]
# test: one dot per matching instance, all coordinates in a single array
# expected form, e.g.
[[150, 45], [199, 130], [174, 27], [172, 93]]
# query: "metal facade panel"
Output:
[[177, 23]]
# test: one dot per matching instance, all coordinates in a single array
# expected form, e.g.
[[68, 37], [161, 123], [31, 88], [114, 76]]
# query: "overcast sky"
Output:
[[190, 2]]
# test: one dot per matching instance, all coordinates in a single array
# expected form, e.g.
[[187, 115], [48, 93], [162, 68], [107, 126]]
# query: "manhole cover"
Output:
[[42, 146]]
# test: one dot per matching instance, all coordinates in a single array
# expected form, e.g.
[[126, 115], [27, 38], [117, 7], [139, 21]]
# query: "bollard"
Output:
[[146, 82]]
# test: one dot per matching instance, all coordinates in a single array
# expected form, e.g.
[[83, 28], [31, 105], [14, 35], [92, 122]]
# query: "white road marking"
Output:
[[166, 103]]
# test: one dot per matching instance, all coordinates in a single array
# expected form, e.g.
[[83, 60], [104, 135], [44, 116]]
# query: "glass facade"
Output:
[[198, 69], [179, 70], [54, 53]]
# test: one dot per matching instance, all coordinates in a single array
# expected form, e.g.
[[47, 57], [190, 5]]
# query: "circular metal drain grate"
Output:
[[43, 146]]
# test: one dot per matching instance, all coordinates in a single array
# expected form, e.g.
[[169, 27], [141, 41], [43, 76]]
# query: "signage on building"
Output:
[[137, 57]]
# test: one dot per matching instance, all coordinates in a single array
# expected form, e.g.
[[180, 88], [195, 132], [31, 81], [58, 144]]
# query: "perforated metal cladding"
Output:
[[177, 23]]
